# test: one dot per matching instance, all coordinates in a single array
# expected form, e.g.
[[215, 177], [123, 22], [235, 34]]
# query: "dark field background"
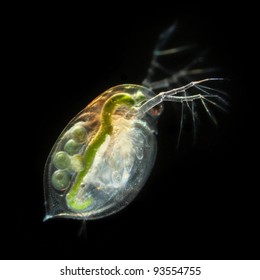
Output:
[[200, 202]]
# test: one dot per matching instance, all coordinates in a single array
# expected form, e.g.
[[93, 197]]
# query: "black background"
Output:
[[200, 202]]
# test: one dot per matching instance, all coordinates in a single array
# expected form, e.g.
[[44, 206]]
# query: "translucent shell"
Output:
[[103, 157]]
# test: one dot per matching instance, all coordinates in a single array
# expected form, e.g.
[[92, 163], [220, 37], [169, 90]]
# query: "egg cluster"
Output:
[[69, 160]]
